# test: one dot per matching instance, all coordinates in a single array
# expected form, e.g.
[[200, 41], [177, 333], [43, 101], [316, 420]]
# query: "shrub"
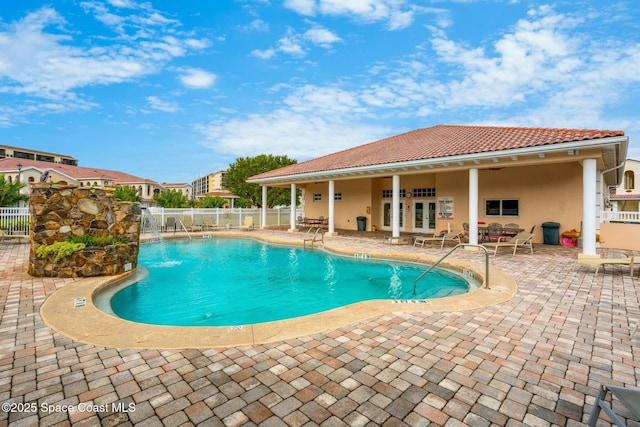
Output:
[[60, 249], [89, 240]]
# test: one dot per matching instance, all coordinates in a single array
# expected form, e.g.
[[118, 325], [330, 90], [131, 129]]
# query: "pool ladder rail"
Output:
[[459, 245], [312, 235]]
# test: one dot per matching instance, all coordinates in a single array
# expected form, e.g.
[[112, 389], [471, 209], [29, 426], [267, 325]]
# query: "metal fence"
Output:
[[14, 220]]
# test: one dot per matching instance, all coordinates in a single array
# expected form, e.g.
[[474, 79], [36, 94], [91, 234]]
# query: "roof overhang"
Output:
[[614, 150]]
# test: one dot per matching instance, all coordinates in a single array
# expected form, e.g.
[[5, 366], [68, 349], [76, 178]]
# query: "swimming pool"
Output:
[[226, 282]]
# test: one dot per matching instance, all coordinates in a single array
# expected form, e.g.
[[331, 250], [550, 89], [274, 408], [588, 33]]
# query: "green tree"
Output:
[[211, 202], [10, 192], [235, 180], [171, 199], [127, 193]]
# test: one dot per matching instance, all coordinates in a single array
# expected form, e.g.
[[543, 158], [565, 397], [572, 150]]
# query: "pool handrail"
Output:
[[486, 262]]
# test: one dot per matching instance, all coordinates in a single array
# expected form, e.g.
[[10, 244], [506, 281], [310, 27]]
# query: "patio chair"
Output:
[[494, 231], [17, 237], [601, 262], [630, 398], [208, 224], [247, 225], [520, 240], [453, 236], [170, 224], [511, 229]]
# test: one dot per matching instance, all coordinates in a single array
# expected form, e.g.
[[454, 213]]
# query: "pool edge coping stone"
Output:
[[89, 324]]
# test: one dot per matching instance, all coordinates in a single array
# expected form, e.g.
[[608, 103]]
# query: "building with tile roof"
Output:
[[626, 196], [440, 177], [27, 171]]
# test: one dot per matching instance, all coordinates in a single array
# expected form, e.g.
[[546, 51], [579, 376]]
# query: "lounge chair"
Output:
[[207, 223], [187, 221], [17, 237], [520, 240], [248, 223], [453, 236], [601, 262], [630, 398]]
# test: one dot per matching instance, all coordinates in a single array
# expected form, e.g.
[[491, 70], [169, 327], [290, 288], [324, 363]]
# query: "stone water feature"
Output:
[[59, 211]]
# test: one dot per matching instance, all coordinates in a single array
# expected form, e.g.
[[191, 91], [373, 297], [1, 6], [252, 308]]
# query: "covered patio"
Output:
[[440, 177]]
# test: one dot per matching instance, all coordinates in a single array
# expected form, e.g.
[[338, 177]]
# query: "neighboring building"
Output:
[[208, 184], [625, 197], [43, 156], [28, 171], [426, 180], [184, 188]]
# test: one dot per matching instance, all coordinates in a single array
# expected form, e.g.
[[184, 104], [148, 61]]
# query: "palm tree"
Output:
[[10, 192]]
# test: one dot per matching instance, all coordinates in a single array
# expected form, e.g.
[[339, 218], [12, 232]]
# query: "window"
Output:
[[629, 179], [501, 207], [337, 196], [424, 192], [317, 197], [388, 194]]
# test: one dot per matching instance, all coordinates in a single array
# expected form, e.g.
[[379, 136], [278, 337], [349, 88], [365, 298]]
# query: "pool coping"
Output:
[[71, 311]]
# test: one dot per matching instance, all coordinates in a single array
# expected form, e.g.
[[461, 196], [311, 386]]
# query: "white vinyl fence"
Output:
[[14, 220], [231, 218]]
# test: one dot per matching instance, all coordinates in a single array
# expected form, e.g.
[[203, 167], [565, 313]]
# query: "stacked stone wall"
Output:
[[60, 211]]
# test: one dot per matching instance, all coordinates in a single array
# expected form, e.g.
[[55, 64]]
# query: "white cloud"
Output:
[[396, 13], [295, 44], [160, 105], [321, 37], [39, 61], [197, 79], [311, 122], [264, 54]]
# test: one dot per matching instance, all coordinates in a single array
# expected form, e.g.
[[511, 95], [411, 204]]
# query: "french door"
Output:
[[424, 216], [387, 216]]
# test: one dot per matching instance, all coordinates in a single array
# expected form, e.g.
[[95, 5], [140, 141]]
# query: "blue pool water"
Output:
[[224, 282]]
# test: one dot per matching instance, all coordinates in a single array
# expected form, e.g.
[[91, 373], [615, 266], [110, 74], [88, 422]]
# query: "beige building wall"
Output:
[[546, 193], [620, 236]]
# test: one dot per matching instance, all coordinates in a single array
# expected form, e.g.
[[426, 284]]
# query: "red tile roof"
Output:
[[438, 142], [76, 172]]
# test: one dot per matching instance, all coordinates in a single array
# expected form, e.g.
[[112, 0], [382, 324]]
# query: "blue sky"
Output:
[[173, 90]]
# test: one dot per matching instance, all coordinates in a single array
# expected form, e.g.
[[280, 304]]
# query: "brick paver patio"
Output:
[[536, 360]]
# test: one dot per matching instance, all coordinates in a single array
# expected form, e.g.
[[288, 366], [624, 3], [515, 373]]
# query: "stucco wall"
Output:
[[545, 193], [620, 236]]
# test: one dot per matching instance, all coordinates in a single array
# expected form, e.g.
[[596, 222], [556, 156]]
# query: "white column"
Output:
[[473, 206], [263, 213], [292, 216], [332, 204], [589, 179], [395, 208]]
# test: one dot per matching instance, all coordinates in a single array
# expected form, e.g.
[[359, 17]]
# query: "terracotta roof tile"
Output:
[[439, 142], [76, 172]]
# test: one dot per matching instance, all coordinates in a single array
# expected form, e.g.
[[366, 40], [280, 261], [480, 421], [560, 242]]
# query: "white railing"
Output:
[[621, 216], [14, 220], [224, 217]]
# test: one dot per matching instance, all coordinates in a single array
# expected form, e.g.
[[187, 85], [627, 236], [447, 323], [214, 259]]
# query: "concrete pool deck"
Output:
[[535, 359]]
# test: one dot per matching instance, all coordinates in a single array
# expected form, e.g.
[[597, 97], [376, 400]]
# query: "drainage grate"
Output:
[[79, 302]]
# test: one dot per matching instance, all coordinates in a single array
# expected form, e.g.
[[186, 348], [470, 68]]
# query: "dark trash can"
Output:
[[362, 223], [550, 233]]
